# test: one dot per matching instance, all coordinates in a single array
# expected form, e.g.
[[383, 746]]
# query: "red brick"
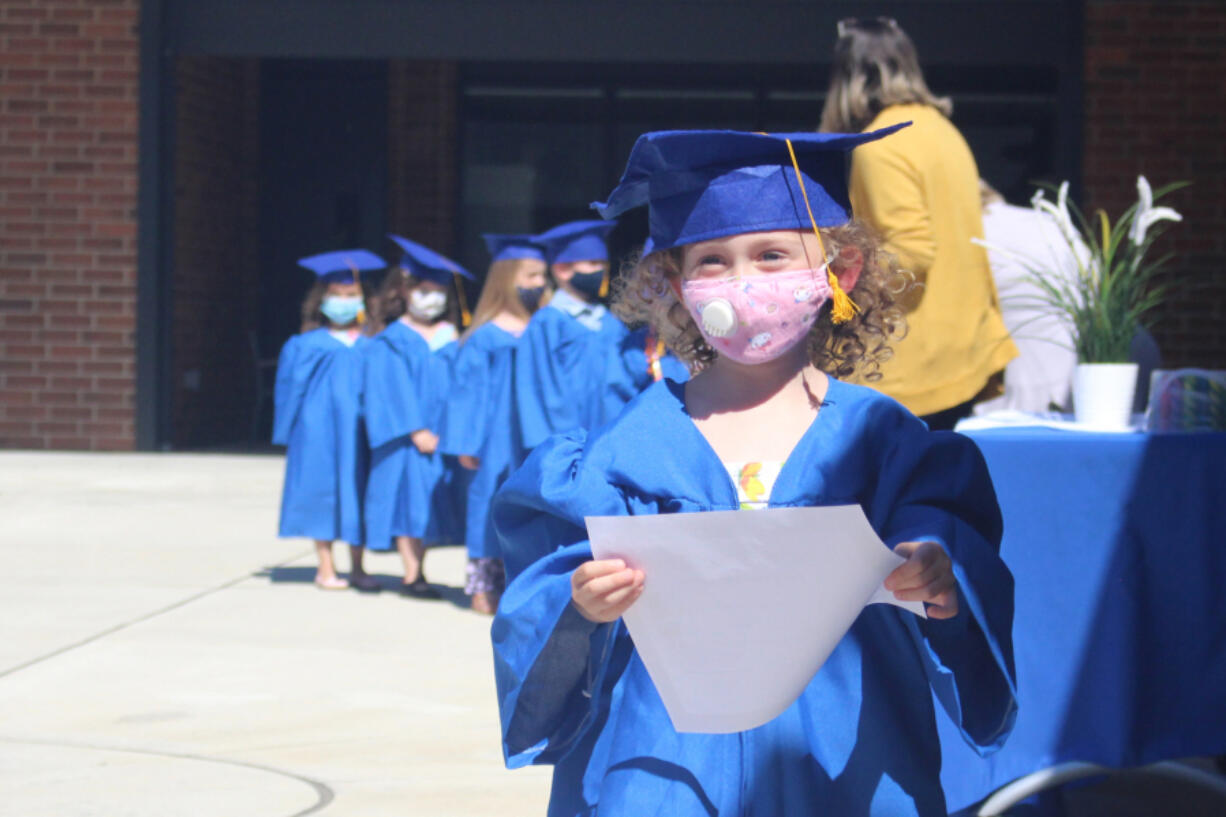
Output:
[[56, 427], [10, 397], [19, 382], [70, 383], [69, 13], [70, 443], [77, 413], [28, 413], [18, 12]]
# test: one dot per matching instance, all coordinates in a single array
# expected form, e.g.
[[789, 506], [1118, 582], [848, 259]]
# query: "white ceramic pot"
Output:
[[1103, 394]]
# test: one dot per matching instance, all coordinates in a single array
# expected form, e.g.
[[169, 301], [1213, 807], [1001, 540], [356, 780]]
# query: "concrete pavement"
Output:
[[165, 654]]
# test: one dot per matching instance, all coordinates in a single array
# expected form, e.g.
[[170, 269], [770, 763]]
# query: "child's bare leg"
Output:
[[325, 574], [358, 577], [412, 553]]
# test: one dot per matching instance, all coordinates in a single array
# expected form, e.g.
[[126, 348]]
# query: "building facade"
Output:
[[163, 162]]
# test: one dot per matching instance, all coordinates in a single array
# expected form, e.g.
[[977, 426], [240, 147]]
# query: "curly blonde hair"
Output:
[[643, 294]]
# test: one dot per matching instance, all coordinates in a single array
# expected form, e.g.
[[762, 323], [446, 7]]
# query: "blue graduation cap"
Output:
[[700, 185], [576, 241], [506, 247], [423, 262], [341, 266]]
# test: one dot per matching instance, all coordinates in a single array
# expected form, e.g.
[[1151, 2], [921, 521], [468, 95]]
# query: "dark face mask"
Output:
[[588, 283], [530, 297]]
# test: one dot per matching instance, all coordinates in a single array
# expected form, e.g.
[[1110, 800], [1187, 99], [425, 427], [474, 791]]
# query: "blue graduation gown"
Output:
[[862, 737], [627, 373], [318, 416], [451, 495], [479, 422], [405, 390], [559, 373]]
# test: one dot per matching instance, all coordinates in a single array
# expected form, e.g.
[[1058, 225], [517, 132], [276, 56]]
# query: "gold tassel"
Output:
[[465, 316], [357, 279], [604, 285], [842, 308]]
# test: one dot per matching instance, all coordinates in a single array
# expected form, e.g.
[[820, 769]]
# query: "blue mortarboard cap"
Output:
[[423, 262], [700, 185], [338, 267], [504, 247], [577, 241]]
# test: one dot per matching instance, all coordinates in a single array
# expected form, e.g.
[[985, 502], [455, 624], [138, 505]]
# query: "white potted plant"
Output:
[[1108, 300]]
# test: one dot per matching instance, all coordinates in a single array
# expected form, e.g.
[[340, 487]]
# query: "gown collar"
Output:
[[693, 471]]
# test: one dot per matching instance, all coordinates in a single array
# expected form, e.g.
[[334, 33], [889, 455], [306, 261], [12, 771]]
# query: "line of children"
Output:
[[431, 405], [407, 381], [752, 261]]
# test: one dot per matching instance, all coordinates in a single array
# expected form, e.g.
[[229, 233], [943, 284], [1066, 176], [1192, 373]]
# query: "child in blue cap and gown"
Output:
[[407, 380], [318, 416], [761, 282], [565, 352], [479, 428]]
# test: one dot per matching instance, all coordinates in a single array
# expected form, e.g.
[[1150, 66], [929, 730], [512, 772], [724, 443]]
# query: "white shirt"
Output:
[[590, 315], [1042, 374]]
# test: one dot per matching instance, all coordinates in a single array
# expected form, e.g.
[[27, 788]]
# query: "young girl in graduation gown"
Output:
[[560, 370], [759, 280], [318, 416], [407, 378], [479, 427]]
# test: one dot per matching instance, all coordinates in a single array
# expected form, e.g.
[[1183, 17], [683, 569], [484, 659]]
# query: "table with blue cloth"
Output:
[[1116, 545]]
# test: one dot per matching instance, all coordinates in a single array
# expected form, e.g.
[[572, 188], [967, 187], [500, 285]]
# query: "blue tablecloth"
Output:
[[1118, 547]]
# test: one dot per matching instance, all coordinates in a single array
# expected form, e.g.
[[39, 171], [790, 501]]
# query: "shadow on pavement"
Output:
[[454, 596]]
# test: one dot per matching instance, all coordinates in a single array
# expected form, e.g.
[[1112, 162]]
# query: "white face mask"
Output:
[[426, 306]]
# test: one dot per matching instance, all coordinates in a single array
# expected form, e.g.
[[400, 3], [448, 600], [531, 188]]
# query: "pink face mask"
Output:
[[758, 318]]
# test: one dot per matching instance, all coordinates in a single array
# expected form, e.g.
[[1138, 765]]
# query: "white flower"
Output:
[[1147, 214], [1058, 211]]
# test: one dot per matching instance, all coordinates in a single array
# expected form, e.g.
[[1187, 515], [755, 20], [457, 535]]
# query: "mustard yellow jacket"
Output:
[[920, 188]]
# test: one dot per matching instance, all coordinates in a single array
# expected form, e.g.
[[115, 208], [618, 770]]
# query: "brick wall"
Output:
[[68, 187], [423, 132], [1155, 84], [216, 250]]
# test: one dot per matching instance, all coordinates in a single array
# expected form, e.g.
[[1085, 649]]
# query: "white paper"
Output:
[[740, 609]]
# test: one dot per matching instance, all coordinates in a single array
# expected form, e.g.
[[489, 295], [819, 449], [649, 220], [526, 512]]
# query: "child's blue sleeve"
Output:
[[465, 422], [392, 400], [288, 392], [550, 663], [934, 486], [549, 373]]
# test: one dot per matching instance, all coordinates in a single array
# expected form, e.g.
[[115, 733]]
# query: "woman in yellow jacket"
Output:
[[920, 190]]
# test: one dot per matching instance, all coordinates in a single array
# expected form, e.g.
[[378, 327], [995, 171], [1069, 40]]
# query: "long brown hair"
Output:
[[498, 293], [875, 66]]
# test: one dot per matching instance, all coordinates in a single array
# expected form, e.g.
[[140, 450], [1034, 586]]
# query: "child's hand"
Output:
[[425, 440], [927, 576], [602, 590], [470, 462]]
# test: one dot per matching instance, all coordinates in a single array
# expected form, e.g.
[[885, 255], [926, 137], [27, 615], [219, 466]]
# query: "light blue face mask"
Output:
[[341, 311]]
